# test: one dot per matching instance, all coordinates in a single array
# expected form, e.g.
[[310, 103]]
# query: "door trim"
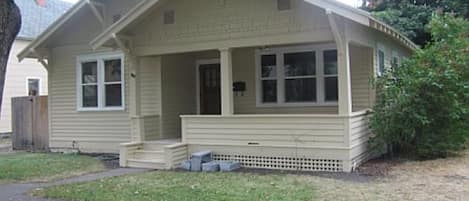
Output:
[[197, 78]]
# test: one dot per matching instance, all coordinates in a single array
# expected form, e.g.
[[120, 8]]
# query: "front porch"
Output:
[[234, 122]]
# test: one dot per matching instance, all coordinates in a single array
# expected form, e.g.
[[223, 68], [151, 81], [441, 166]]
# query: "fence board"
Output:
[[30, 123]]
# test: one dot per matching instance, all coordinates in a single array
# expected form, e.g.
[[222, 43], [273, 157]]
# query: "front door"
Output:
[[209, 83]]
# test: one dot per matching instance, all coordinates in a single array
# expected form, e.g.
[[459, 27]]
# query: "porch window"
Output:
[[100, 82], [298, 76], [381, 60]]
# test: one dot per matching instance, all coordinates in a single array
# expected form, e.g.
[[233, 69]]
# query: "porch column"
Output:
[[137, 131], [226, 76], [341, 39], [345, 89]]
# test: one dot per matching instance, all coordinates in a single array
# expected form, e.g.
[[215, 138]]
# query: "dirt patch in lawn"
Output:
[[436, 180]]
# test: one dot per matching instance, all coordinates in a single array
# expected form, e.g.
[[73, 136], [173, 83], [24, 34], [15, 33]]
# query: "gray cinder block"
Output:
[[198, 158], [212, 166], [228, 166], [186, 165]]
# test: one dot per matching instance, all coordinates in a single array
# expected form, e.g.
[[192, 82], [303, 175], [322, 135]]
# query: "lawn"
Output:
[[181, 186], [20, 167]]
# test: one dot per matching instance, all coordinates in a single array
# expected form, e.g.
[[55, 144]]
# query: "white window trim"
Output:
[[101, 84], [380, 47], [320, 90], [27, 85]]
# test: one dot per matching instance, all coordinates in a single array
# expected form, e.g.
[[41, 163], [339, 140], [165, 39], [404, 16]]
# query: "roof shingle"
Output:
[[35, 19]]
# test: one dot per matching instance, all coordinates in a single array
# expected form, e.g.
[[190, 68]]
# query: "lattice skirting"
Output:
[[284, 163]]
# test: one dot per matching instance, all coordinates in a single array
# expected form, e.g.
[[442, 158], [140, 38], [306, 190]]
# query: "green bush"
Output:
[[423, 105]]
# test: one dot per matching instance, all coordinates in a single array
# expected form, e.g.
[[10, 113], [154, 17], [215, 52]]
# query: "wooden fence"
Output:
[[30, 123]]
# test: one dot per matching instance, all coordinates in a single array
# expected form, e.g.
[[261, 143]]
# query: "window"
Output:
[[169, 17], [283, 5], [381, 60], [395, 59], [298, 76], [100, 82], [33, 86], [331, 81]]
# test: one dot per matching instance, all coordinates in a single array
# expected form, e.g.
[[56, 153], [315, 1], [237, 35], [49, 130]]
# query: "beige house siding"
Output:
[[361, 64], [224, 23], [100, 131], [150, 85], [292, 131], [16, 81], [178, 92]]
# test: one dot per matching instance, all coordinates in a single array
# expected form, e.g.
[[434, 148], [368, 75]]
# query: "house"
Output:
[[280, 84], [29, 77]]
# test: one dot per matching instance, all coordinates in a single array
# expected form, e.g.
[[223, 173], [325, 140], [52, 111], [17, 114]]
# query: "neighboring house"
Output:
[[280, 84], [29, 77]]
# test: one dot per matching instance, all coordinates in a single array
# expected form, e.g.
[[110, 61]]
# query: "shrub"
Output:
[[423, 105]]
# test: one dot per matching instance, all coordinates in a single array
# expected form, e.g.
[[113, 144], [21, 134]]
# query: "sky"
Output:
[[355, 3]]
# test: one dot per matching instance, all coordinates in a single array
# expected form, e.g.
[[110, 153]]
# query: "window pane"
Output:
[[89, 72], [269, 66], [269, 91], [114, 95], [381, 61], [300, 64], [330, 62], [300, 90], [112, 69], [33, 87], [90, 96], [332, 90]]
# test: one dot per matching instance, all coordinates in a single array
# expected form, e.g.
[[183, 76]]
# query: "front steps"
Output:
[[163, 154]]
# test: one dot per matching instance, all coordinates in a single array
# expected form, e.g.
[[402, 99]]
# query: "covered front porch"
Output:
[[224, 100]]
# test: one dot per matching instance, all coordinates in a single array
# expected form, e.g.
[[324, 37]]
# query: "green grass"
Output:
[[181, 186], [20, 167]]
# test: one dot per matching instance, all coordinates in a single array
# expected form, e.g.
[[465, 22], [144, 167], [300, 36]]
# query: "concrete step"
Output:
[[149, 155], [149, 164]]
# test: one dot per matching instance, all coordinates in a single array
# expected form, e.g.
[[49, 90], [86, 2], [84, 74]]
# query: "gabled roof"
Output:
[[35, 19], [28, 50], [354, 14]]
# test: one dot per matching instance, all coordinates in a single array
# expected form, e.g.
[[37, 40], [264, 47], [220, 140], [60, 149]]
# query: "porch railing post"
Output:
[[226, 72]]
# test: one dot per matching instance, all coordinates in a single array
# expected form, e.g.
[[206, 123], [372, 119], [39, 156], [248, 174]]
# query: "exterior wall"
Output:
[[16, 82], [150, 85], [178, 92], [244, 70], [361, 64], [228, 24], [100, 131], [94, 131], [360, 135]]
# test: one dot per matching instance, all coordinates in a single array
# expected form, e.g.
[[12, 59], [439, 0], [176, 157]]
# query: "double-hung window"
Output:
[[297, 76], [100, 80]]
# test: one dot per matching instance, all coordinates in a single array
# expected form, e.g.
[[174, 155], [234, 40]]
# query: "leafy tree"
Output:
[[10, 24], [411, 16], [423, 105]]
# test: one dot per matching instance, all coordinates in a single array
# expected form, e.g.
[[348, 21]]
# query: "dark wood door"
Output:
[[210, 95]]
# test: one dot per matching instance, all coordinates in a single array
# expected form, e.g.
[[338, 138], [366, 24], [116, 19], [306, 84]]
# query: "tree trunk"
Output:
[[10, 24]]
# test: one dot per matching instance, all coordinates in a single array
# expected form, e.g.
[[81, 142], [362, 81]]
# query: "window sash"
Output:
[[100, 84], [281, 78]]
